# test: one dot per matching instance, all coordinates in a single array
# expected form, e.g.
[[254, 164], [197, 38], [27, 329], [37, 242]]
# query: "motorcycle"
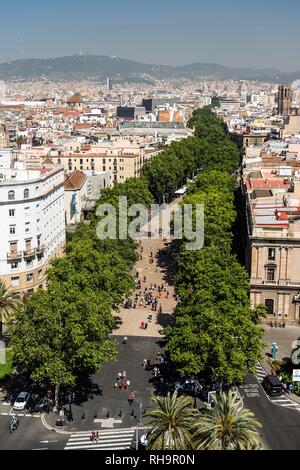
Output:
[[13, 424]]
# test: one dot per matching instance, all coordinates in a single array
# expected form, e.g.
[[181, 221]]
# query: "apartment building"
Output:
[[121, 159], [273, 244], [33, 224]]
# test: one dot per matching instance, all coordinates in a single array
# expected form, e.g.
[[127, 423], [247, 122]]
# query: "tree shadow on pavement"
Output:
[[85, 389], [167, 259], [165, 319]]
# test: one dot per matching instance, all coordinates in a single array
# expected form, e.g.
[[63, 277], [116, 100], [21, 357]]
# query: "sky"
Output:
[[255, 33]]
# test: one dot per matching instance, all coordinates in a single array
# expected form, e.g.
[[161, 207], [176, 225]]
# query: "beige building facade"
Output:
[[273, 254]]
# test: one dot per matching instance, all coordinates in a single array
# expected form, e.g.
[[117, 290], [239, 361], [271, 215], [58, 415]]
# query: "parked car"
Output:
[[21, 401], [189, 386]]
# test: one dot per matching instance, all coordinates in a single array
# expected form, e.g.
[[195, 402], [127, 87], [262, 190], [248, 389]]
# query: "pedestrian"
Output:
[[142, 325], [146, 326], [122, 384], [144, 363], [93, 436], [155, 370], [290, 388], [97, 436], [131, 398], [127, 384], [124, 375], [148, 364], [119, 375], [125, 340], [116, 385]]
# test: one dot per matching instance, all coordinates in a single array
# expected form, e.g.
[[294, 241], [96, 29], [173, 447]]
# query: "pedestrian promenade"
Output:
[[151, 270]]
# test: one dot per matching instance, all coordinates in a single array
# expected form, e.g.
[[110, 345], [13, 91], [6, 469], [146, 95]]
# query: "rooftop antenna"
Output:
[[21, 48]]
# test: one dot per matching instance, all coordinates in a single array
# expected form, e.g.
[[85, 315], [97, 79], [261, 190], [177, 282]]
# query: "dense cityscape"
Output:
[[149, 258]]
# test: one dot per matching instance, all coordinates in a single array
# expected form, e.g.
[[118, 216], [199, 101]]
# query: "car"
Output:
[[21, 401], [189, 386], [272, 385]]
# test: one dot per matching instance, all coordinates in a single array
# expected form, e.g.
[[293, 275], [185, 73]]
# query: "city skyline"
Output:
[[163, 34]]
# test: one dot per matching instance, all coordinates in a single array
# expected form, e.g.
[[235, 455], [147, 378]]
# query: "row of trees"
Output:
[[64, 331], [175, 425], [216, 331], [209, 149]]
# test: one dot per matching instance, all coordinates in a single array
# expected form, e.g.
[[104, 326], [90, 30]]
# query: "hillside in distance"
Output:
[[98, 67]]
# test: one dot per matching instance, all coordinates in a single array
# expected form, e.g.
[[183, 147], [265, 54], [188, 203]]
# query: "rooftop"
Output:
[[75, 181]]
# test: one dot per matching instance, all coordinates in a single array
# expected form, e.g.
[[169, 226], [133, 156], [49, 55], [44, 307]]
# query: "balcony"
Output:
[[271, 283], [29, 254], [14, 256], [40, 250]]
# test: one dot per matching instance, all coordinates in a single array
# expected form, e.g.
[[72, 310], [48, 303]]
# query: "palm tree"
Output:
[[170, 423], [227, 426], [8, 304]]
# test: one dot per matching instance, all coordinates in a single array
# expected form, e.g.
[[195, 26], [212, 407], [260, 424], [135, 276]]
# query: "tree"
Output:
[[61, 333], [227, 426], [8, 304], [170, 423]]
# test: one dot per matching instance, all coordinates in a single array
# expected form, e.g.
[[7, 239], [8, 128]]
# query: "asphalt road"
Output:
[[30, 435], [281, 426]]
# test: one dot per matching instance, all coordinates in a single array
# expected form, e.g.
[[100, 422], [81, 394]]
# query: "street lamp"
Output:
[[137, 427]]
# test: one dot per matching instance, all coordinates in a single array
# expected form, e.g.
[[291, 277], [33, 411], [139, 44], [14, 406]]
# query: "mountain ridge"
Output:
[[98, 67]]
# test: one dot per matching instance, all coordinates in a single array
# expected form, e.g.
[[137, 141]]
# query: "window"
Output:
[[12, 229], [27, 210], [28, 263], [269, 303], [27, 227], [13, 247], [15, 281], [14, 265], [271, 254], [40, 273], [270, 274], [26, 193], [11, 195], [12, 212], [29, 278]]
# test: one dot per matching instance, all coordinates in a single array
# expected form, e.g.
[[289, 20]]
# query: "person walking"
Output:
[[131, 398], [127, 384], [142, 325], [124, 375], [145, 363]]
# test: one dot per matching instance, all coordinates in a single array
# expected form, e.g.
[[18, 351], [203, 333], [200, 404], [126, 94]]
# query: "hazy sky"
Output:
[[255, 33]]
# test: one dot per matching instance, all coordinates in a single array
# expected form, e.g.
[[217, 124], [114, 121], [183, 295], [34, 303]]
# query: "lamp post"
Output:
[[137, 427]]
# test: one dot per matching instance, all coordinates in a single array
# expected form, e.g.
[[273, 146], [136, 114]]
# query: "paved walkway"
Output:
[[158, 272]]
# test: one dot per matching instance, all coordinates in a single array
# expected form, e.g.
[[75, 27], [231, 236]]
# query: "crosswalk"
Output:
[[280, 401], [116, 439], [260, 373]]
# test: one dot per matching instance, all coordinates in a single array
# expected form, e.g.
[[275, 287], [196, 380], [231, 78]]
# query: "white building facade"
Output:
[[33, 225]]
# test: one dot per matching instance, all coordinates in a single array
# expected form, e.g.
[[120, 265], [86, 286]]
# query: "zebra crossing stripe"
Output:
[[108, 440]]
